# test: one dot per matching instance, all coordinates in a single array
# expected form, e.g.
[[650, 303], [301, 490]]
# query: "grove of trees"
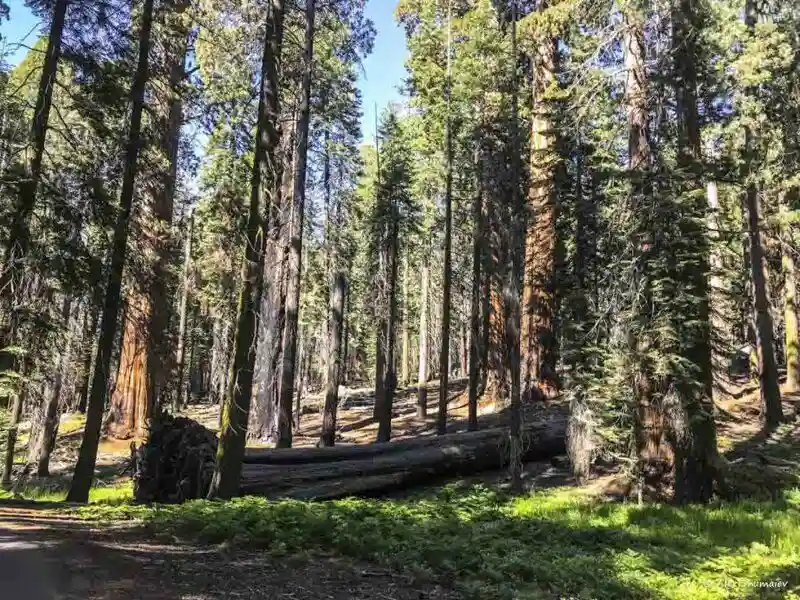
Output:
[[584, 201]]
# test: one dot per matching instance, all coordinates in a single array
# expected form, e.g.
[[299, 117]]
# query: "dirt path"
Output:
[[50, 557]]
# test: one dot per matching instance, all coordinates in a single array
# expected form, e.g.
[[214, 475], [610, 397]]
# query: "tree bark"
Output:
[[422, 382], [13, 430], [390, 378], [692, 423], [183, 317], [538, 294], [236, 408], [87, 457], [338, 290], [296, 245], [511, 291], [790, 306], [18, 241], [337, 472], [649, 419], [45, 438], [444, 353], [771, 408], [405, 369], [475, 347]]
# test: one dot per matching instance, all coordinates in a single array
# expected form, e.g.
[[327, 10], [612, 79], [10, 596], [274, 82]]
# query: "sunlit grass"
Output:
[[108, 493], [551, 544]]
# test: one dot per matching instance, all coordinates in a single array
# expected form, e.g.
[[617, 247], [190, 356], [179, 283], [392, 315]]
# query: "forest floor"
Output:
[[464, 540]]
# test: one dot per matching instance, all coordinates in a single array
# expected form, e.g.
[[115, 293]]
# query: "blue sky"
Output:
[[383, 71]]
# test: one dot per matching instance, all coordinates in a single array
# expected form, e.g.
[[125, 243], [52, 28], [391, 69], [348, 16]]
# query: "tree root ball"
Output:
[[176, 461]]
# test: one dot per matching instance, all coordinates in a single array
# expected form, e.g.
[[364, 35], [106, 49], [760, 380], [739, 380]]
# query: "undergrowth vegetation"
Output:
[[551, 544]]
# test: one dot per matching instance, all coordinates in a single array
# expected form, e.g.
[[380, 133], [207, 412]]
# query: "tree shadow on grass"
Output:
[[473, 540]]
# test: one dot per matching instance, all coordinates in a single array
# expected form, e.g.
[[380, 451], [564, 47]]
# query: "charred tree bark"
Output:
[[236, 408], [87, 457], [338, 290], [296, 245]]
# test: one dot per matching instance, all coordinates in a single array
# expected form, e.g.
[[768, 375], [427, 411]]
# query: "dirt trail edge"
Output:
[[44, 556]]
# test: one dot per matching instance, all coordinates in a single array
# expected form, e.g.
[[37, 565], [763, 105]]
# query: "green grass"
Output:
[[550, 545], [103, 492]]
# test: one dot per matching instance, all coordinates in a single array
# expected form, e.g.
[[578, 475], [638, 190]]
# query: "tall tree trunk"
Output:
[[422, 381], [13, 428], [475, 347], [159, 353], [716, 284], [790, 305], [45, 438], [405, 369], [338, 291], [16, 247], [390, 378], [511, 291], [88, 347], [263, 422], [538, 294], [236, 408], [771, 409], [692, 423], [145, 356], [649, 418], [87, 456], [346, 342], [296, 245], [183, 317], [444, 354]]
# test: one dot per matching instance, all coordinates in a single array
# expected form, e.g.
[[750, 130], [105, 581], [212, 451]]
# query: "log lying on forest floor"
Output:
[[326, 473]]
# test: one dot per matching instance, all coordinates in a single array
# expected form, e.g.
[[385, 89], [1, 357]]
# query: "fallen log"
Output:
[[377, 468]]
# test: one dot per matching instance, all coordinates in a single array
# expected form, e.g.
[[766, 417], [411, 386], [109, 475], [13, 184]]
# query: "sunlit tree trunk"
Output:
[[87, 456], [145, 357], [183, 316], [236, 407], [334, 359], [296, 245], [538, 295], [771, 409]]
